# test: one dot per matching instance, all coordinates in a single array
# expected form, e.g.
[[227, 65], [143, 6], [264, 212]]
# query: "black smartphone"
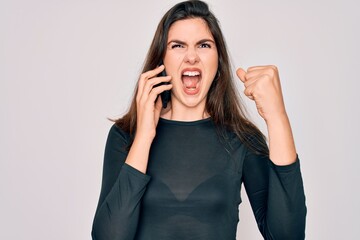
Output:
[[165, 96]]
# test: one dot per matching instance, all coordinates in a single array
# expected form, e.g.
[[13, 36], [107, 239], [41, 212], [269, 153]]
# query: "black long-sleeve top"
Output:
[[191, 189]]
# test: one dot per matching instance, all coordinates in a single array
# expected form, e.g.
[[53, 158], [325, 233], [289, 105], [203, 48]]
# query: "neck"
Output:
[[182, 113]]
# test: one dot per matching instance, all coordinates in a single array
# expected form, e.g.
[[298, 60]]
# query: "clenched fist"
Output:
[[262, 84]]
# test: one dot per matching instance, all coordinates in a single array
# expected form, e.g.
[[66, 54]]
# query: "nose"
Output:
[[191, 56]]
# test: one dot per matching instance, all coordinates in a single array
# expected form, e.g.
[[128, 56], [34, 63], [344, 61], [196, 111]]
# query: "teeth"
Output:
[[191, 74]]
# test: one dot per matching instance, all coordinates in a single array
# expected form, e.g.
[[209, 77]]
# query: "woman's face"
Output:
[[191, 59]]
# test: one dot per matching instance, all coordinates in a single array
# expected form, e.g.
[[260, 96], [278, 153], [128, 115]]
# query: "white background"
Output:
[[65, 66]]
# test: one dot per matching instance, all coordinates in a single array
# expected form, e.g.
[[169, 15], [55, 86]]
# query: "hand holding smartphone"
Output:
[[166, 95]]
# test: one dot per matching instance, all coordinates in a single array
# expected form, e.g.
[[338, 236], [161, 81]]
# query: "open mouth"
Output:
[[191, 81]]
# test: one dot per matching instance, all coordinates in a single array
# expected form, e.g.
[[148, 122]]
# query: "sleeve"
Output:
[[276, 195], [122, 189]]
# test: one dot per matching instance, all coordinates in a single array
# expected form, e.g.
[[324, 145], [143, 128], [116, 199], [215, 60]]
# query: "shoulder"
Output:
[[118, 136], [117, 130]]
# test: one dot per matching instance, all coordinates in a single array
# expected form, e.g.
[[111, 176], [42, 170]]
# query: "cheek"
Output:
[[215, 61], [211, 62], [213, 67], [172, 63]]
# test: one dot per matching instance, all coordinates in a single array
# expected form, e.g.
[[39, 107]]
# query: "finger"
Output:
[[150, 87], [257, 74], [253, 68], [156, 91], [241, 74], [253, 73], [250, 82], [249, 92], [146, 75], [151, 83], [154, 72], [251, 97]]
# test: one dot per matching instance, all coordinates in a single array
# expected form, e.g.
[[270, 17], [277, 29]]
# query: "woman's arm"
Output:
[[148, 113], [262, 85], [276, 195], [281, 142], [124, 179], [121, 192], [274, 184]]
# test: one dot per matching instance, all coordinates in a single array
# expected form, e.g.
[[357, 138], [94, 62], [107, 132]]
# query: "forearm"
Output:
[[118, 216], [139, 153], [122, 189], [277, 197], [281, 142], [286, 210]]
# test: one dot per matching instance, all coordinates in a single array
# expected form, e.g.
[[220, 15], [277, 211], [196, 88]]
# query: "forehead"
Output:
[[189, 29]]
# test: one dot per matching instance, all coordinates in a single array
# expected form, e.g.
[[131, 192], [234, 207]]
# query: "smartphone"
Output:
[[165, 96]]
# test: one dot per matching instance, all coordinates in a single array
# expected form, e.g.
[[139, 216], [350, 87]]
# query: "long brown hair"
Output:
[[223, 102]]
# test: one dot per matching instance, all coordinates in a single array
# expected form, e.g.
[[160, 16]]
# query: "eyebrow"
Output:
[[198, 42]]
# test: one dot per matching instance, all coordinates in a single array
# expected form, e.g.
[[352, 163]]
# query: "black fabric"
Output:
[[192, 188]]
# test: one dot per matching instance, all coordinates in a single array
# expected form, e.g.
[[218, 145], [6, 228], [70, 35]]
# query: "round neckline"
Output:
[[185, 123]]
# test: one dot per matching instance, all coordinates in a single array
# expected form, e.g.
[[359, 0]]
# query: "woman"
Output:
[[176, 172]]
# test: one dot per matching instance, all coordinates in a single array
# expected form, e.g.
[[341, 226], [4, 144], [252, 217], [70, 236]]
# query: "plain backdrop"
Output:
[[66, 66]]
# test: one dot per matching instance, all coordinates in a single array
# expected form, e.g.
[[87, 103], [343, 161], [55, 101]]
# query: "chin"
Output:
[[192, 102]]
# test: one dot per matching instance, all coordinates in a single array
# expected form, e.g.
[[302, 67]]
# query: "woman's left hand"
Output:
[[262, 84]]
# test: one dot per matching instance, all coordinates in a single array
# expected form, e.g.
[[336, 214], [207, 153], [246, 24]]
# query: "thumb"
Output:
[[241, 74]]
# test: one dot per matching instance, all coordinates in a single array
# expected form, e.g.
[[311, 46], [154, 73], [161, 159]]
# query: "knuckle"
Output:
[[272, 70], [154, 91], [266, 77], [269, 76], [143, 75], [274, 67], [149, 81], [150, 85]]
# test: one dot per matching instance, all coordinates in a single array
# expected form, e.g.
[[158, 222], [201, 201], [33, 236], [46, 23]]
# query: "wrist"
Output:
[[281, 142], [143, 139], [277, 118], [139, 153]]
